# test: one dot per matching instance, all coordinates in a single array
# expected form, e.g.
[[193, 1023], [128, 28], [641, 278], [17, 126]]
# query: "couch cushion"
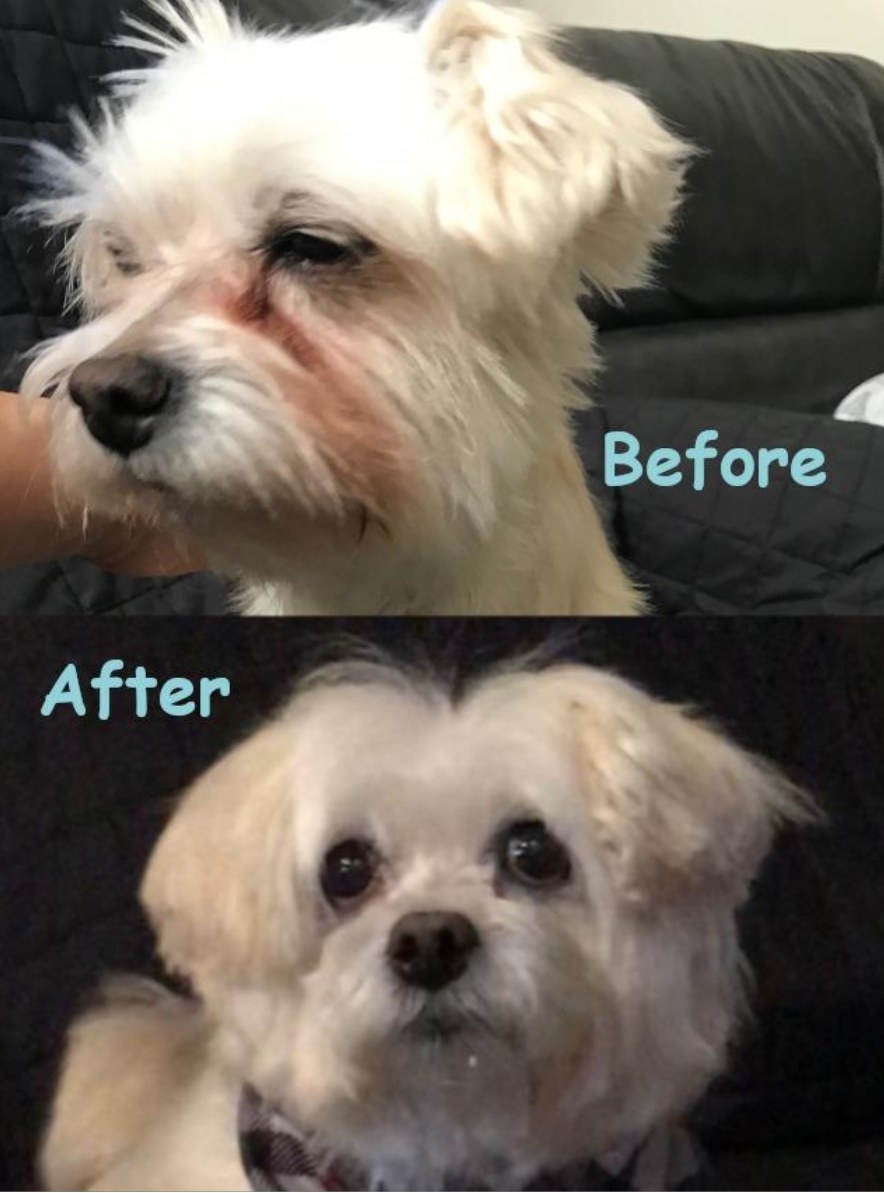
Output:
[[805, 361], [724, 550], [772, 289], [782, 208]]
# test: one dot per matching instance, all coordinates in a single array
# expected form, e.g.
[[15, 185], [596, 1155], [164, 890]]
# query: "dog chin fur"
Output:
[[391, 434], [591, 1013]]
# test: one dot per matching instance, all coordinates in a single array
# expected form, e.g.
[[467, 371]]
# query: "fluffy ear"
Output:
[[677, 808], [220, 885], [539, 158]]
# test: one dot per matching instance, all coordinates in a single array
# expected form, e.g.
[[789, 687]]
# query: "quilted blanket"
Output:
[[726, 550]]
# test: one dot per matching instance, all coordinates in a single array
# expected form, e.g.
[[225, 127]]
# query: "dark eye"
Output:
[[348, 871], [124, 259], [531, 855], [298, 249]]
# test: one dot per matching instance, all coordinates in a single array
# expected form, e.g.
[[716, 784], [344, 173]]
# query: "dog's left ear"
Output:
[[538, 158], [677, 809], [219, 887]]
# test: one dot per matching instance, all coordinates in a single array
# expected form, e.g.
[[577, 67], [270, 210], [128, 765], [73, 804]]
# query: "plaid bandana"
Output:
[[276, 1156]]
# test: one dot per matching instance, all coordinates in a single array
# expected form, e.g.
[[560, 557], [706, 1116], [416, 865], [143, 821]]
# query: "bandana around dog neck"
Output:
[[276, 1156]]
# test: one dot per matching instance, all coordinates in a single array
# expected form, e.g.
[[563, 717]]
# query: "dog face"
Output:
[[330, 278], [477, 937]]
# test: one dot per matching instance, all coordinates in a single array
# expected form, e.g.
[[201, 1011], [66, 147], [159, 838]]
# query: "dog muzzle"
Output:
[[277, 1156]]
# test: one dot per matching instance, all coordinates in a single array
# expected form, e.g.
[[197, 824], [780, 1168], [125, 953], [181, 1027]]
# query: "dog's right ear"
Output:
[[539, 159], [219, 887]]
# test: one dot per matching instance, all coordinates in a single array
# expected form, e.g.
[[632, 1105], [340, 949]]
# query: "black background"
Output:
[[83, 801]]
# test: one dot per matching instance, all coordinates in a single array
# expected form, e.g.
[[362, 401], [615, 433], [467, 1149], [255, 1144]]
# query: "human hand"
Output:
[[33, 531], [137, 549]]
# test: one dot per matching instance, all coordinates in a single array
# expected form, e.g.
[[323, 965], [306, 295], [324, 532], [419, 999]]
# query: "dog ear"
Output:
[[220, 885], [539, 158], [677, 809]]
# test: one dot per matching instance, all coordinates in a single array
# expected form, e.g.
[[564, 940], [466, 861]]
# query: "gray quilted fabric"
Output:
[[50, 53], [781, 550]]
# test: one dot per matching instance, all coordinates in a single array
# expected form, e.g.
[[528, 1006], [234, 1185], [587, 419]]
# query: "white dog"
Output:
[[331, 287], [437, 943]]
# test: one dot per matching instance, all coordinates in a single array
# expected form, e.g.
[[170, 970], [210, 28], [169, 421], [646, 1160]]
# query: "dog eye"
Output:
[[348, 871], [531, 855], [300, 249], [124, 258]]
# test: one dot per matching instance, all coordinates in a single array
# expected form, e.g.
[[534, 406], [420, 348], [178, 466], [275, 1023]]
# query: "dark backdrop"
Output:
[[82, 802]]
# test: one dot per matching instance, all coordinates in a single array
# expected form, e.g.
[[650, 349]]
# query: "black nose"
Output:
[[432, 949], [121, 398]]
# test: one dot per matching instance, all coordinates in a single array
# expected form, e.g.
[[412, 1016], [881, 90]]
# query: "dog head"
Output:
[[329, 278], [475, 937]]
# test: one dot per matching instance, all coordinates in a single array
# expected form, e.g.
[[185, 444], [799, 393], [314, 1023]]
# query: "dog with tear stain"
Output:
[[330, 286]]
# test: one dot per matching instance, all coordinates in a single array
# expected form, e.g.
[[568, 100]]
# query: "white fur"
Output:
[[590, 1015], [489, 175]]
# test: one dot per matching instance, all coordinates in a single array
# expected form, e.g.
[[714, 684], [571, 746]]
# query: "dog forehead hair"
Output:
[[258, 111], [405, 759]]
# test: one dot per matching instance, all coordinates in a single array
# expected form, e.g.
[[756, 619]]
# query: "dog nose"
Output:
[[432, 949], [121, 397]]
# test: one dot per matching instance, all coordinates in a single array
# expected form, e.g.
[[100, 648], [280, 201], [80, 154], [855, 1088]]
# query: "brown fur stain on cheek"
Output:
[[333, 400]]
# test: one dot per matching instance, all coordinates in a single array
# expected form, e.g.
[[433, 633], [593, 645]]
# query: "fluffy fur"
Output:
[[591, 1013], [390, 433]]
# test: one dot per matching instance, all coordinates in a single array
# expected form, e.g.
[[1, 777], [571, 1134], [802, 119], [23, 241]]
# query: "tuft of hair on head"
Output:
[[62, 180], [182, 23], [447, 666], [556, 644], [347, 660]]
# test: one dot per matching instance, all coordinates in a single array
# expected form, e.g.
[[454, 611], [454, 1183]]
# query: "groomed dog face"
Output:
[[327, 274], [471, 937]]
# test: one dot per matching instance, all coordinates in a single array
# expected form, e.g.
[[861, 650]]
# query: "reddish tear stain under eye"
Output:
[[334, 403], [254, 310]]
